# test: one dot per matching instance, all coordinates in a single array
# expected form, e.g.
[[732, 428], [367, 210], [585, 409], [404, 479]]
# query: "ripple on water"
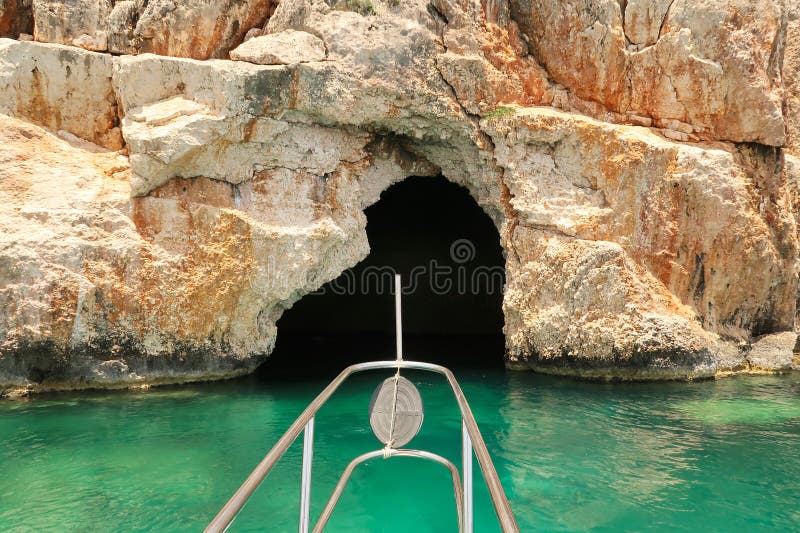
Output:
[[572, 456], [757, 411]]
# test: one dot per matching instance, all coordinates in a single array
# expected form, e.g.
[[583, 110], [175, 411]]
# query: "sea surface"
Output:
[[573, 456]]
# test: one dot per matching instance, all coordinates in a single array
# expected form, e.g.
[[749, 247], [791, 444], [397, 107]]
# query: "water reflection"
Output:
[[572, 456], [628, 456]]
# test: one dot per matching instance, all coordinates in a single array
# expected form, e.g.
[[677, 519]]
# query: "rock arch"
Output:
[[632, 252], [448, 251]]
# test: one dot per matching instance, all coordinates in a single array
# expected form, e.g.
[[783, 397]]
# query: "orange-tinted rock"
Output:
[[201, 30], [61, 88], [16, 17], [184, 284], [713, 65], [791, 78], [703, 239]]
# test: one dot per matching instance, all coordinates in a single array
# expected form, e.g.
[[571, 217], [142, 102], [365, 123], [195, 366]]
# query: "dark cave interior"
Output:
[[434, 234]]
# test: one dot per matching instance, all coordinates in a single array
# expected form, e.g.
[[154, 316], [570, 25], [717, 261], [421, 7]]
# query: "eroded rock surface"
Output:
[[16, 17], [791, 77], [99, 289], [217, 193], [82, 23], [640, 232], [774, 352], [201, 30], [708, 68], [282, 48], [61, 88], [711, 69]]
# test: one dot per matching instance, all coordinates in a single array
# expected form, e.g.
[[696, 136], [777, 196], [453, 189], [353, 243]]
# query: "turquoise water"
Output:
[[713, 456]]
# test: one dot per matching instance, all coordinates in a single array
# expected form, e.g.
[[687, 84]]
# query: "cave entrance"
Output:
[[448, 251]]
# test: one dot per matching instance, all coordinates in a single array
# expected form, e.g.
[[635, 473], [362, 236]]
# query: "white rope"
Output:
[[398, 291], [390, 444]]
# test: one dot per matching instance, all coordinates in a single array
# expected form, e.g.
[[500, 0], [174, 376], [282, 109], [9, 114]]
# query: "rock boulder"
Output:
[[61, 88], [282, 48], [16, 17]]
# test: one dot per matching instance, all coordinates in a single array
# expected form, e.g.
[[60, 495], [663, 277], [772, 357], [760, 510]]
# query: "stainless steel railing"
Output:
[[472, 443], [458, 490]]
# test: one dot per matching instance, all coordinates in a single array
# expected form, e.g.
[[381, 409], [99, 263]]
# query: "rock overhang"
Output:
[[279, 161]]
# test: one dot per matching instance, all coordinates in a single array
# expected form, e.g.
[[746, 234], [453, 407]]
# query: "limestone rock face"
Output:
[[16, 17], [792, 175], [774, 352], [643, 20], [791, 77], [200, 30], [179, 206], [599, 315], [641, 236], [82, 23], [61, 88], [708, 68], [282, 48], [98, 289]]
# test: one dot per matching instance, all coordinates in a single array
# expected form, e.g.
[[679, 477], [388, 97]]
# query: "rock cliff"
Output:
[[162, 211]]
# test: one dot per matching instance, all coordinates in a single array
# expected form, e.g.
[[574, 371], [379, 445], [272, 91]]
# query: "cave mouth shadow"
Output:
[[433, 233]]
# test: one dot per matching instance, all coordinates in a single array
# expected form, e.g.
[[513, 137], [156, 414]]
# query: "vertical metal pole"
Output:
[[305, 487], [467, 475], [398, 315]]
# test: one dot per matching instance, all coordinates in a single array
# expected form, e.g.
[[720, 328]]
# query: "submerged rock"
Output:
[[174, 208]]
